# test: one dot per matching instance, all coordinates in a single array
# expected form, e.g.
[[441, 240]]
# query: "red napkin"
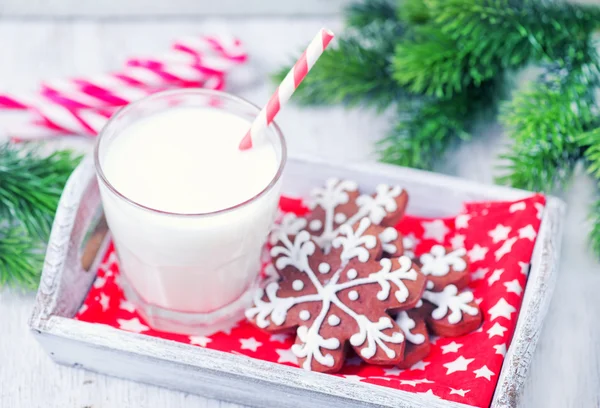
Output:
[[499, 238]]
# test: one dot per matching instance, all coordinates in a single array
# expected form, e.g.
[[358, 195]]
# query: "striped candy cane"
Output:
[[82, 105], [287, 87]]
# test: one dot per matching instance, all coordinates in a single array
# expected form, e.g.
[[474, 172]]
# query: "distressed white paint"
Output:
[[565, 363]]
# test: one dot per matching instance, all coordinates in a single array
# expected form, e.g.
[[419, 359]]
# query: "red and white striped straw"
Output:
[[287, 87]]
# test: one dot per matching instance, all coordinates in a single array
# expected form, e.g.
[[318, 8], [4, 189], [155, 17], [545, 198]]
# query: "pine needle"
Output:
[[356, 72], [30, 186], [545, 119], [21, 258]]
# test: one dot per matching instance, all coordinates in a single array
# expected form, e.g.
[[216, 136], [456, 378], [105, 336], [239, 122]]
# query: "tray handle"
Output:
[[65, 281]]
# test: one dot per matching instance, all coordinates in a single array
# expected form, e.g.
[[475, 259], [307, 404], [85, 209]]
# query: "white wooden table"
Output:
[[566, 369]]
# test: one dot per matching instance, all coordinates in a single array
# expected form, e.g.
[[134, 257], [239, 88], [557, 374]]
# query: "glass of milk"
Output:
[[188, 211]]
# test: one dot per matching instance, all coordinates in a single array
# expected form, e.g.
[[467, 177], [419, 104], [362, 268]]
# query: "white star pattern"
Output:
[[435, 230], [500, 349], [501, 309], [128, 306], [201, 341], [495, 276], [500, 233], [104, 300], [249, 344], [451, 347], [527, 232], [350, 377], [133, 325], [505, 248], [462, 221], [484, 372], [457, 241], [420, 365], [517, 207], [524, 268], [392, 371], [460, 364], [477, 253], [540, 210], [496, 330], [409, 382], [279, 337], [99, 282], [458, 392], [479, 273], [429, 393], [287, 356], [514, 286]]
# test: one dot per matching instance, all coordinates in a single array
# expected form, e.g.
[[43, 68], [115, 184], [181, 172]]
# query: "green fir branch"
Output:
[[21, 258], [470, 41], [595, 232], [360, 15], [545, 119], [355, 72], [428, 127], [30, 186]]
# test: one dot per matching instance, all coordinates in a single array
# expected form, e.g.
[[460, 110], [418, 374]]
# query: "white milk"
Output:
[[186, 161]]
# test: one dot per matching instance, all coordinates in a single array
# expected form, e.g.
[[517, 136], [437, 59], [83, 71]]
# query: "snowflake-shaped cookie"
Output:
[[338, 293], [452, 310], [340, 203]]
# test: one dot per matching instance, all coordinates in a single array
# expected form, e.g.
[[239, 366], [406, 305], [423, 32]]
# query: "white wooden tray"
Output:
[[65, 283]]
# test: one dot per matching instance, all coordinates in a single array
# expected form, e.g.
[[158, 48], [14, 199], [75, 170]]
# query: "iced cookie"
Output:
[[455, 312], [412, 323], [336, 294], [340, 203]]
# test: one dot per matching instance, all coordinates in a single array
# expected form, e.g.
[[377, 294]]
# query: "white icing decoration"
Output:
[[372, 333], [271, 309], [351, 274], [304, 315], [298, 284], [340, 218], [333, 320], [438, 263], [407, 324], [353, 295], [335, 193], [383, 203], [290, 225], [450, 300], [386, 237], [315, 225], [354, 243], [419, 304], [324, 267]]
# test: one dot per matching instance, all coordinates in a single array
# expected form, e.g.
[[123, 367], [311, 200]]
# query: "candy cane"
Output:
[[287, 87]]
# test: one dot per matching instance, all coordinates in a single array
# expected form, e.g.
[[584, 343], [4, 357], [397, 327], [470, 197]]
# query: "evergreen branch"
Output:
[[545, 119], [360, 15], [595, 232], [429, 127], [355, 72], [30, 186], [590, 141], [21, 258], [470, 41]]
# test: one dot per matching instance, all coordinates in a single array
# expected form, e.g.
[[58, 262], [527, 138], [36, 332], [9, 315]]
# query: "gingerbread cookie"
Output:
[[340, 203], [412, 323], [444, 266], [337, 292], [455, 312]]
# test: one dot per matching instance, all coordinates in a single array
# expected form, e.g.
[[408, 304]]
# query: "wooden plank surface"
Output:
[[566, 368]]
